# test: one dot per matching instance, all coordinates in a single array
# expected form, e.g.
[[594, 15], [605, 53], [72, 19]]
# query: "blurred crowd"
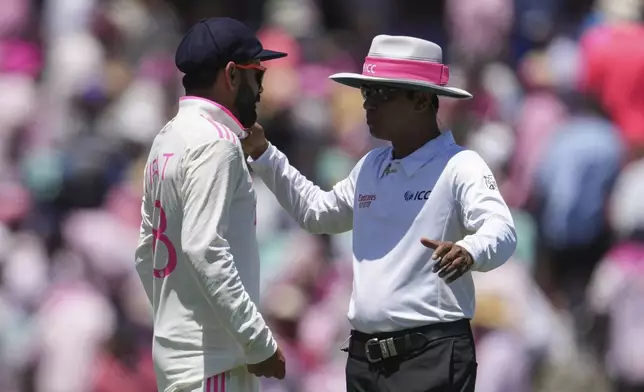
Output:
[[558, 115]]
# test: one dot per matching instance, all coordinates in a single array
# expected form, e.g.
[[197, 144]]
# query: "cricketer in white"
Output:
[[441, 191], [197, 256]]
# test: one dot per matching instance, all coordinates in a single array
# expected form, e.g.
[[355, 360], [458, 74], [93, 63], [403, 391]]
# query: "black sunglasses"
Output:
[[378, 93], [259, 71]]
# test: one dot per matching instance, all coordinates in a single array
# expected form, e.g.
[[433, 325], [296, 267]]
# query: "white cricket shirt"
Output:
[[441, 191], [197, 256]]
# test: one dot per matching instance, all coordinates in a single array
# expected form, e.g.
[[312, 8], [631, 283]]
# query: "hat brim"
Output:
[[357, 80], [266, 55]]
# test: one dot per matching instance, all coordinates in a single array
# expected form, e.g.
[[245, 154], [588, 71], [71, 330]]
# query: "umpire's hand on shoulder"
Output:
[[255, 144], [452, 261], [273, 367]]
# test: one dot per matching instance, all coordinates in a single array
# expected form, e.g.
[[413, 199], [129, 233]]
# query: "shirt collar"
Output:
[[414, 161], [211, 110]]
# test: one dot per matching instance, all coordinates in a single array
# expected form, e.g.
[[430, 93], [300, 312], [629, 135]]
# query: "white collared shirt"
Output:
[[201, 273], [441, 191]]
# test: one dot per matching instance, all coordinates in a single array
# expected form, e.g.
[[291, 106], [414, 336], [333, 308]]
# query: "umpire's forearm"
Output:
[[315, 210]]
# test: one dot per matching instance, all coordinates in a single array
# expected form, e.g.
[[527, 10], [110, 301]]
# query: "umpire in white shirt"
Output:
[[424, 213]]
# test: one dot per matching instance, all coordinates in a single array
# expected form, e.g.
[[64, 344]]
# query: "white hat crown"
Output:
[[405, 48]]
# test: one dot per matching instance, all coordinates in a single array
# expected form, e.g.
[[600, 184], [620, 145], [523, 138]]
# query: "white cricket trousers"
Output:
[[236, 380]]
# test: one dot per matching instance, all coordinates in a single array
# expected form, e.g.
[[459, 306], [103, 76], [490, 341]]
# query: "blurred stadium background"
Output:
[[558, 115]]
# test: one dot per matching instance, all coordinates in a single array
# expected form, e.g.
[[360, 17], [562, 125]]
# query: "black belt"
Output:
[[377, 347]]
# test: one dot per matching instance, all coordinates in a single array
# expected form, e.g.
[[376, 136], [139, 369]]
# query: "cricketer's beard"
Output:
[[246, 105]]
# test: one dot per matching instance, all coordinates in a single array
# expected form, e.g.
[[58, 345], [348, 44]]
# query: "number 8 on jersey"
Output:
[[159, 235]]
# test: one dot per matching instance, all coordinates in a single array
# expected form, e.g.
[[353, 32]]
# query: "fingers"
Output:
[[281, 373], [256, 128], [440, 254], [450, 256], [450, 267], [446, 260], [260, 373], [278, 374], [255, 370], [275, 370], [451, 262], [459, 270], [441, 251], [455, 276], [431, 244]]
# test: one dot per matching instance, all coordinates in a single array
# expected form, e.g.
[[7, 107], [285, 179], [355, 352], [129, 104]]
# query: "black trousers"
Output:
[[444, 365]]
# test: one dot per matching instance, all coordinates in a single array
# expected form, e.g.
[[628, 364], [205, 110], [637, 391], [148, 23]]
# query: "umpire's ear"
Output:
[[423, 101]]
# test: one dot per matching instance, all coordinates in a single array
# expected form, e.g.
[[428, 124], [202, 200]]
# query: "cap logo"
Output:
[[369, 68]]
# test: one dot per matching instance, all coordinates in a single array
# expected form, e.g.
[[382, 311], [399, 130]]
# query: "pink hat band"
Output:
[[424, 71]]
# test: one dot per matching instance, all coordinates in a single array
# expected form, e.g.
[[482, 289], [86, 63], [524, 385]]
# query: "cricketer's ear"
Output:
[[232, 77]]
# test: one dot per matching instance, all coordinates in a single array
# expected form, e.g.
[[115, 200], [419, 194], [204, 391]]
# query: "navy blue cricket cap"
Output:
[[212, 43]]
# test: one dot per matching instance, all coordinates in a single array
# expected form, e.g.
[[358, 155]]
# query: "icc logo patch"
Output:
[[419, 195]]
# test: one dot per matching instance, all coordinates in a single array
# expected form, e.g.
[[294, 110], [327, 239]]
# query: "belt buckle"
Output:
[[368, 353], [387, 349]]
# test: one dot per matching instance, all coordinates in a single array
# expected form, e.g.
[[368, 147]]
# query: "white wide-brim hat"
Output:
[[405, 62]]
